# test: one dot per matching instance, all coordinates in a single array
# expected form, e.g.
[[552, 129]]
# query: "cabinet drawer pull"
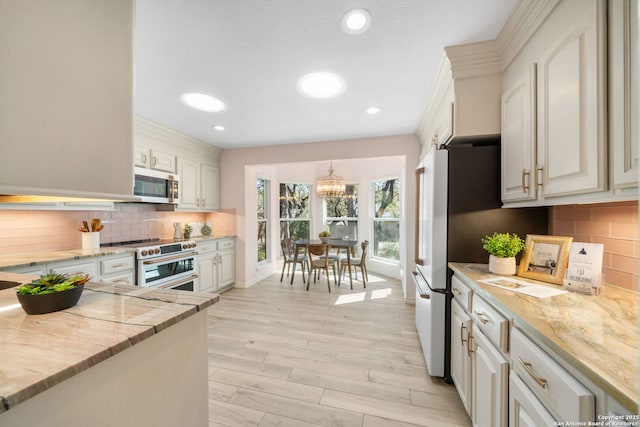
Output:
[[456, 292], [484, 320], [122, 280], [525, 187], [540, 175], [118, 265], [462, 340], [469, 338], [527, 367]]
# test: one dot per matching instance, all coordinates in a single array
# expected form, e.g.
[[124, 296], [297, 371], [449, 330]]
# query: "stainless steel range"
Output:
[[165, 264]]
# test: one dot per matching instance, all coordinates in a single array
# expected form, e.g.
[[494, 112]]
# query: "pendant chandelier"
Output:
[[331, 185]]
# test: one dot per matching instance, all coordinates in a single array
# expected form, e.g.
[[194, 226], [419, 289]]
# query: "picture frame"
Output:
[[545, 258]]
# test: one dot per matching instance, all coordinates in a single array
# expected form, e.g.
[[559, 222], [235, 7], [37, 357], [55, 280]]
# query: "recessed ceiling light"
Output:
[[372, 110], [321, 85], [356, 21], [218, 127], [203, 102]]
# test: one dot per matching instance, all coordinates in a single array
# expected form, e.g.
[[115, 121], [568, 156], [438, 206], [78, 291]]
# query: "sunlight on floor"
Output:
[[380, 293], [360, 296], [347, 299]]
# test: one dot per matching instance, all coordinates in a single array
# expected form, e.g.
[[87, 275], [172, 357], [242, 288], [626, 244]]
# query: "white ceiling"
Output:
[[250, 54]]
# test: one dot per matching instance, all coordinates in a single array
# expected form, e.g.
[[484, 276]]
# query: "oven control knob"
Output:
[[157, 251], [143, 253]]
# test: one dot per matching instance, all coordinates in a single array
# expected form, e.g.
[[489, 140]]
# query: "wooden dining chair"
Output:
[[357, 262], [319, 261], [289, 256]]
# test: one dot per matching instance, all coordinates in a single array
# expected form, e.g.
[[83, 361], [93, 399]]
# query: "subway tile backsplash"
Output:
[[35, 231], [613, 224]]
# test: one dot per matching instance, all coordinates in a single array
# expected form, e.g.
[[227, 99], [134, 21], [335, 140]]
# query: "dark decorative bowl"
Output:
[[41, 304]]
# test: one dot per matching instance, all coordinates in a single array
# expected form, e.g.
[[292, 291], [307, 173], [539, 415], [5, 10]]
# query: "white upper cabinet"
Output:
[[624, 89], [195, 162], [518, 139], [572, 145], [464, 101], [568, 131], [66, 103]]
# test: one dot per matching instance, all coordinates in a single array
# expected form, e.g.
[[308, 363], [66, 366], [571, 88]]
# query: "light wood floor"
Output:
[[282, 356]]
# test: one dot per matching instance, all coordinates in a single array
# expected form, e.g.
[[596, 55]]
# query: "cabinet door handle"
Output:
[[462, 340], [144, 159], [203, 203], [469, 338], [527, 367], [539, 169], [525, 187], [480, 315], [154, 161]]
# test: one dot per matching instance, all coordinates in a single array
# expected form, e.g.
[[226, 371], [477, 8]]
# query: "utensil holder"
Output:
[[91, 240]]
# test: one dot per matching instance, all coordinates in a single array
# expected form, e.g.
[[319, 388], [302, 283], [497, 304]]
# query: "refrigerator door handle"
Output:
[[419, 286]]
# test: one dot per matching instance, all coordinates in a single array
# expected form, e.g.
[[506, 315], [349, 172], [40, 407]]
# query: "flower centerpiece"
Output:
[[503, 248], [51, 292]]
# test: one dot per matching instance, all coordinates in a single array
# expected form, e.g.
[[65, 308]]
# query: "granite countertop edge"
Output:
[[31, 259], [182, 306], [625, 394]]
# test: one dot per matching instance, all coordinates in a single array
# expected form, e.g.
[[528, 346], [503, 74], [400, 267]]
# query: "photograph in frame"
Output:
[[545, 258]]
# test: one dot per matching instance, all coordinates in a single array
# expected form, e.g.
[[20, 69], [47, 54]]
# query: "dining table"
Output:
[[334, 243]]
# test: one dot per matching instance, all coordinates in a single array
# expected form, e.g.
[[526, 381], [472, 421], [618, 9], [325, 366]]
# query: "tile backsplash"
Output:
[[34, 231], [613, 224]]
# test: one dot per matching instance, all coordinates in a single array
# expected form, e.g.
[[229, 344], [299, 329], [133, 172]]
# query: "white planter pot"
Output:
[[502, 266]]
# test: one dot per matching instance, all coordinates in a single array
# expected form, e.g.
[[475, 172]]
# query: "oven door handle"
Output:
[[179, 282], [159, 260]]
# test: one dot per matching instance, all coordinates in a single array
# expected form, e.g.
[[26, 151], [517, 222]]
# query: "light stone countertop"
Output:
[[30, 259], [40, 351], [597, 335]]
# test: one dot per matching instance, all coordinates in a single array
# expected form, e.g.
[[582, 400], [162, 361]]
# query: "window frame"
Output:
[[374, 219], [266, 220]]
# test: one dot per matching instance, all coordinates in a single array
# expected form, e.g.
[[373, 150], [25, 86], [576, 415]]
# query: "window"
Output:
[[341, 214], [386, 221], [295, 214], [263, 219]]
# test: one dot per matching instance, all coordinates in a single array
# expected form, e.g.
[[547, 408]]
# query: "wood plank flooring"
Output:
[[282, 356]]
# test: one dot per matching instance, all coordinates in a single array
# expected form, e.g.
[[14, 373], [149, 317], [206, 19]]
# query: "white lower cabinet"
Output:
[[81, 267], [558, 391], [118, 269], [460, 353], [216, 264], [525, 410], [490, 382]]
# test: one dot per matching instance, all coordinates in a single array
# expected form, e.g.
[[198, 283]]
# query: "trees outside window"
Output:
[[341, 214], [263, 218], [386, 221], [295, 213]]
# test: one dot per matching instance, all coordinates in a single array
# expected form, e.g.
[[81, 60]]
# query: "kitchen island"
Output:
[[123, 355]]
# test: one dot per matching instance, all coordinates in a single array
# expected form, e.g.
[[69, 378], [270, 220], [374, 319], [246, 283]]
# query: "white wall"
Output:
[[359, 160]]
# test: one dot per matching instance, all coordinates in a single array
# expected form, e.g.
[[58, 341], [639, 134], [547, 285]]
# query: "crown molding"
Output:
[[520, 26], [474, 59]]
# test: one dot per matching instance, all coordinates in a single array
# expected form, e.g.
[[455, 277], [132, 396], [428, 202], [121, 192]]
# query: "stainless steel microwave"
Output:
[[155, 187]]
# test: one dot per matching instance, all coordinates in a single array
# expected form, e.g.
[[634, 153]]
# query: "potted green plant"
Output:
[[186, 230], [324, 235], [503, 248], [51, 292]]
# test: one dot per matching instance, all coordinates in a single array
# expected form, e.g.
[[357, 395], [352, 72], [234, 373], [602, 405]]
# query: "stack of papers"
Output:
[[520, 286]]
